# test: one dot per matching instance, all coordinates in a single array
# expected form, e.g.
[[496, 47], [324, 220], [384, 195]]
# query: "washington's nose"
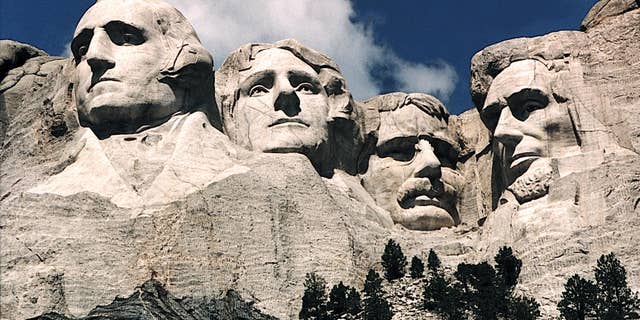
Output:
[[287, 102], [426, 163], [99, 56], [507, 131]]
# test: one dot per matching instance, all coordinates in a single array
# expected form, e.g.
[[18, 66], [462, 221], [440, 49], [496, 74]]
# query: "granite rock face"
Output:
[[563, 110], [152, 301], [14, 54], [99, 194], [606, 9]]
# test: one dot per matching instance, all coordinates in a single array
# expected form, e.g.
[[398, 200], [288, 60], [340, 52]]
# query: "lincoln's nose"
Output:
[[507, 130]]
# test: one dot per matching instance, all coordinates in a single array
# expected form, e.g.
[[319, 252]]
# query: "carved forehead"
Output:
[[145, 14], [492, 60], [410, 121], [241, 63], [276, 59], [524, 74]]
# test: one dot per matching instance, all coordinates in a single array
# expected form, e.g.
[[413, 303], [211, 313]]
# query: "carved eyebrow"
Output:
[[389, 145], [117, 29], [117, 24], [265, 78], [524, 94], [297, 77]]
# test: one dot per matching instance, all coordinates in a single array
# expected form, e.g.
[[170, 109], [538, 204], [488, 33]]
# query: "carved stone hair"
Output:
[[396, 100], [548, 49]]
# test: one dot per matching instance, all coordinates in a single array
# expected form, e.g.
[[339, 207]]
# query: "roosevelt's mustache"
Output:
[[431, 187]]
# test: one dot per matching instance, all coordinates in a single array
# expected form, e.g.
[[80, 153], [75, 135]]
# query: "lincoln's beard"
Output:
[[534, 183]]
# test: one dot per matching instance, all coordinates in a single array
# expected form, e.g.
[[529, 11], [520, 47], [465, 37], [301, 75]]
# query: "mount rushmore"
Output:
[[133, 160]]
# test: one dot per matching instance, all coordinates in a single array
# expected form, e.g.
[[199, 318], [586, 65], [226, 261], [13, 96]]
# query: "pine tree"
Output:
[[578, 299], [508, 268], [337, 304], [393, 261], [417, 268], [615, 300], [314, 298], [376, 306], [478, 282], [354, 304], [433, 262], [443, 297], [522, 308]]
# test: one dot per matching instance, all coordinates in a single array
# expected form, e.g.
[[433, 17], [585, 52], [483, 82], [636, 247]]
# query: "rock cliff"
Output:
[[218, 224]]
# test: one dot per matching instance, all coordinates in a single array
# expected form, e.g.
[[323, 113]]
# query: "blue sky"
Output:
[[381, 45]]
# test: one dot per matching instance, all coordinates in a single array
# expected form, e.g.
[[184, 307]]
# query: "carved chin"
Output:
[[533, 184]]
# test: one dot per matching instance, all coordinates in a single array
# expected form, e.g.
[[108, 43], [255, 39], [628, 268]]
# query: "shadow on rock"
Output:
[[152, 301]]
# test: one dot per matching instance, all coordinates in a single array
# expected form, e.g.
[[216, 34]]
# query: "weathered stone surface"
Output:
[[286, 97], [86, 216], [412, 173], [586, 202], [605, 9], [14, 54], [152, 301]]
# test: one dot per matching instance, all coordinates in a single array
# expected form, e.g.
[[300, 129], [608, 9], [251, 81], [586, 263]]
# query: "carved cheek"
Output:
[[383, 179], [315, 105], [83, 76]]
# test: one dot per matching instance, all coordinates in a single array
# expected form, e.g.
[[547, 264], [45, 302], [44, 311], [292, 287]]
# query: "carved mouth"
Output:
[[522, 158], [425, 200], [104, 79], [289, 121], [422, 192]]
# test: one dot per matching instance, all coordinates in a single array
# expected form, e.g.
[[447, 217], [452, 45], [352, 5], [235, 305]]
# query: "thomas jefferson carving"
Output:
[[282, 98]]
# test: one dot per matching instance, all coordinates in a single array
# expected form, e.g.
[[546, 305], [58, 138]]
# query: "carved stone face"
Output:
[[530, 126], [412, 173], [282, 106], [119, 51]]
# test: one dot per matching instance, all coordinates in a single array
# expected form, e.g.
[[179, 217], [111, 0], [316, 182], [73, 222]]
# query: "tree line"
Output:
[[480, 291]]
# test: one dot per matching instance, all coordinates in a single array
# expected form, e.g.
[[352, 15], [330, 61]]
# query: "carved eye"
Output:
[[123, 34], [404, 154], [132, 39], [80, 45], [399, 149], [305, 87], [526, 101], [82, 50], [445, 153], [491, 113], [533, 105], [258, 90]]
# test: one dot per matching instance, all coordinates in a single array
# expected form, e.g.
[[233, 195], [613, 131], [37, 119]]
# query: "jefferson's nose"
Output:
[[507, 130], [99, 55], [426, 162], [287, 101]]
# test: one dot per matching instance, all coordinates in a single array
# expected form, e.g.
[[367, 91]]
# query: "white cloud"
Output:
[[224, 25], [66, 52], [440, 78]]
